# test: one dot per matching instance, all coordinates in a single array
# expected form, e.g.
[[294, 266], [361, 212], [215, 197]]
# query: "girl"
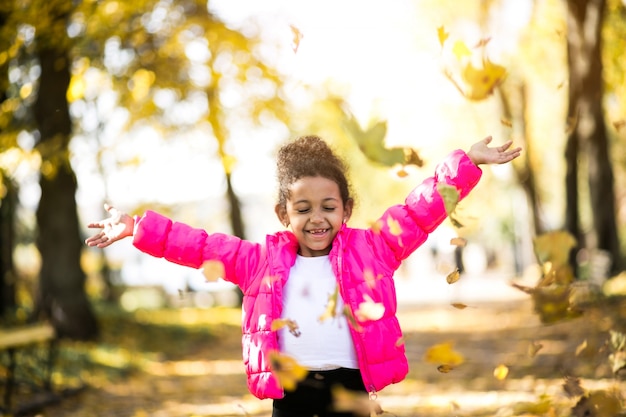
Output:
[[321, 294]]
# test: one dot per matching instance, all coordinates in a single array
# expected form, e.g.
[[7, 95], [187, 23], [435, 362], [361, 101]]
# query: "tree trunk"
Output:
[[62, 297], [588, 133], [8, 277]]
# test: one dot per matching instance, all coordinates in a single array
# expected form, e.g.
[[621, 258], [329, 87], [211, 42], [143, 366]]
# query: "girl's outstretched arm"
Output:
[[481, 153], [118, 226]]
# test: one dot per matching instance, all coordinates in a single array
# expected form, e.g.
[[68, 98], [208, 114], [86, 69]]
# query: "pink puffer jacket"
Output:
[[364, 261]]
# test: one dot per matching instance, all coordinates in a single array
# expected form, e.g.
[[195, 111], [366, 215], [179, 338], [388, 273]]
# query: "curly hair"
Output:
[[310, 156]]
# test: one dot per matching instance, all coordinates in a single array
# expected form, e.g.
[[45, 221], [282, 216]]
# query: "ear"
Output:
[[281, 213], [347, 210]]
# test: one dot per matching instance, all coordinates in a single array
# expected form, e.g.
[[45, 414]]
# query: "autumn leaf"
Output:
[[482, 43], [481, 82], [331, 306], [369, 310], [619, 124], [377, 226], [371, 143], [442, 35], [459, 306], [602, 403], [453, 276], [460, 50], [506, 122], [554, 247], [353, 402], [450, 196], [297, 37], [580, 348], [370, 279], [443, 354], [350, 318], [394, 228], [501, 372], [444, 369], [572, 387], [534, 348], [288, 371], [213, 270], [458, 241], [291, 324]]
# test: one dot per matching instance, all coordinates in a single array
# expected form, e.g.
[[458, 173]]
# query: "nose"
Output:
[[316, 216]]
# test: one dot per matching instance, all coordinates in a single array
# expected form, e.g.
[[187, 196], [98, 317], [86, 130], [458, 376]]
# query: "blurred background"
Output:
[[179, 106]]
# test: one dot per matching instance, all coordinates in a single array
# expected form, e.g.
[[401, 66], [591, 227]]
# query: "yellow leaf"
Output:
[[442, 35], [353, 402], [370, 310], [370, 279], [443, 354], [444, 369], [554, 247], [459, 306], [394, 226], [572, 387], [297, 37], [581, 347], [459, 49], [291, 324], [453, 276], [288, 371], [501, 372], [331, 306], [350, 318], [450, 196], [213, 270], [599, 404], [458, 241], [534, 348], [377, 226], [481, 82]]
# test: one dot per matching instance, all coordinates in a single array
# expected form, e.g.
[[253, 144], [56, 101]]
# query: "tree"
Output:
[[588, 136]]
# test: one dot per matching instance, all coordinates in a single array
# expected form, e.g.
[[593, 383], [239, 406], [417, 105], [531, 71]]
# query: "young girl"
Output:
[[331, 284]]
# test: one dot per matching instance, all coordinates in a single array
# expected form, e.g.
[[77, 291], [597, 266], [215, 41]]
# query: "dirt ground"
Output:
[[209, 380]]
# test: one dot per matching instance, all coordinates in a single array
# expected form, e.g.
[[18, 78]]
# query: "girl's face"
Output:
[[315, 212]]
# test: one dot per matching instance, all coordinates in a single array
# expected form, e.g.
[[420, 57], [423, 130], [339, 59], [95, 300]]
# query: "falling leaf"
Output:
[[459, 49], [453, 276], [459, 306], [290, 324], [554, 247], [444, 369], [288, 371], [450, 196], [371, 143], [599, 404], [369, 310], [534, 348], [297, 37], [394, 226], [350, 318], [377, 226], [443, 354], [580, 348], [370, 279], [571, 124], [506, 122], [481, 82], [458, 241], [501, 372], [572, 387], [442, 35], [400, 341], [356, 403], [331, 306], [213, 270], [482, 43], [524, 288], [619, 124]]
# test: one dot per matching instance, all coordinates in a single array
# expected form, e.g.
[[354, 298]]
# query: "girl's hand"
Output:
[[116, 227], [480, 153]]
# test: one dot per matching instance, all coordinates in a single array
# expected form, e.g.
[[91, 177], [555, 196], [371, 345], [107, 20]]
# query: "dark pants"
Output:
[[313, 395]]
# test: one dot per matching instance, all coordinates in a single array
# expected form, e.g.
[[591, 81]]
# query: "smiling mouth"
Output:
[[317, 231]]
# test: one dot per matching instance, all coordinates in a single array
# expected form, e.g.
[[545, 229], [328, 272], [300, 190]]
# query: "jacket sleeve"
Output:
[[179, 243], [405, 227]]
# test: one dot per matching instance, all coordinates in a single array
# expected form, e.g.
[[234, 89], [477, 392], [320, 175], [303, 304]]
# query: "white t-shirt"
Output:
[[325, 344]]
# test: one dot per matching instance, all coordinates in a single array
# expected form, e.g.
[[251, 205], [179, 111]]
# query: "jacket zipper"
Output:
[[355, 339]]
